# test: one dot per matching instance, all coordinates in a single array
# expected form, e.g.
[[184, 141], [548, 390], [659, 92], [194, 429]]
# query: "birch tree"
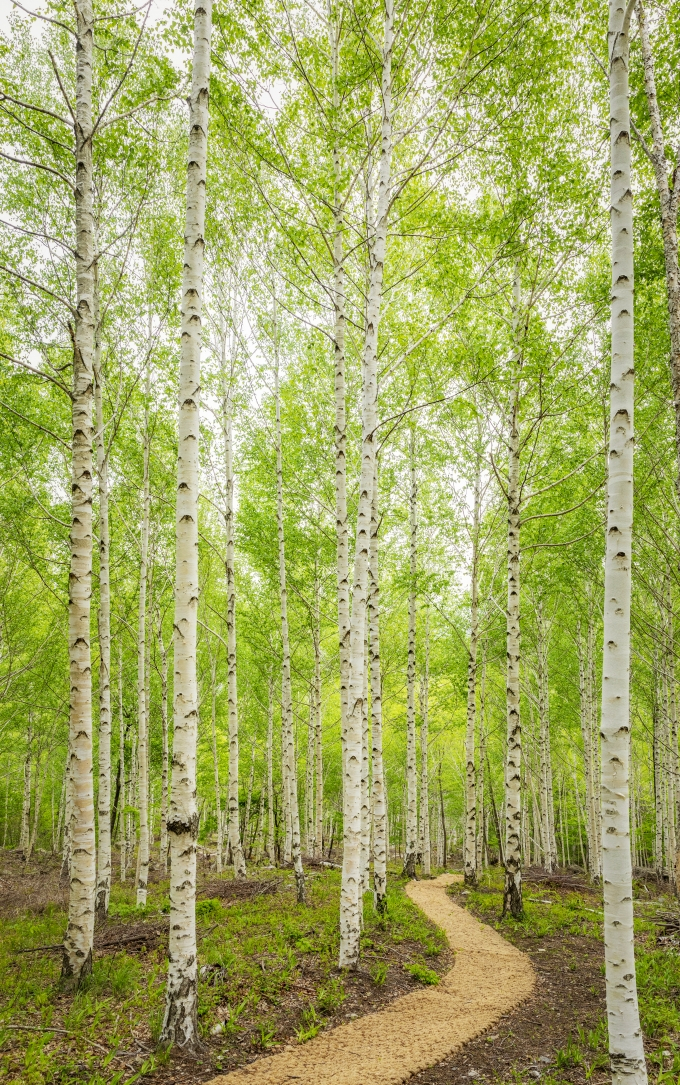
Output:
[[350, 902], [625, 1035], [104, 629], [142, 716], [77, 958], [180, 1022], [411, 777]]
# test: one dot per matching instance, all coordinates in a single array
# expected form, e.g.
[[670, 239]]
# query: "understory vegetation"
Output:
[[267, 969], [562, 914]]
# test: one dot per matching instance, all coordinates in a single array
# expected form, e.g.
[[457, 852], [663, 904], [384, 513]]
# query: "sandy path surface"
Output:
[[489, 978]]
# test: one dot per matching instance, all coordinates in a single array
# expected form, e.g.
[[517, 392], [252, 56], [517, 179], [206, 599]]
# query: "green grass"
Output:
[[658, 971], [271, 978]]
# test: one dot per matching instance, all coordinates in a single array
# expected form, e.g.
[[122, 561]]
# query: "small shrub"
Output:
[[309, 1026], [208, 909], [330, 997], [423, 974], [379, 972]]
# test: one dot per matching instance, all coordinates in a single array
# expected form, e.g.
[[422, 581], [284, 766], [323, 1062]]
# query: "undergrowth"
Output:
[[550, 912], [267, 976]]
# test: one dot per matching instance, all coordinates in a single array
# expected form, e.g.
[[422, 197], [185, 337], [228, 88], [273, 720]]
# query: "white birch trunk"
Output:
[[77, 958], [470, 857], [104, 626], [287, 737], [342, 534], [271, 844], [350, 913], [122, 832], [512, 896], [216, 767], [249, 801], [411, 772], [310, 821], [235, 846], [668, 203], [166, 748], [625, 1036], [180, 1026], [318, 743], [142, 713], [547, 814], [365, 802], [594, 814], [24, 833], [424, 750], [39, 787]]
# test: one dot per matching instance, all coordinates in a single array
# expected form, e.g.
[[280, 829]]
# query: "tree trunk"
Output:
[[310, 821], [549, 855], [411, 775], [25, 831], [249, 801], [512, 897], [342, 534], [287, 737], [378, 789], [470, 857], [142, 710], [180, 1025], [39, 787], [122, 828], [77, 958], [104, 625], [235, 845], [216, 767], [668, 203], [625, 1036], [350, 914], [424, 740], [365, 783], [271, 849], [166, 748], [318, 743]]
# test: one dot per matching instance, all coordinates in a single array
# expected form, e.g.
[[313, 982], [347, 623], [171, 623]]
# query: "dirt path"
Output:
[[489, 978]]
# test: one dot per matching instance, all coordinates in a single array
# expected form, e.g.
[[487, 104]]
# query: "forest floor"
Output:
[[559, 1035], [268, 975], [268, 980]]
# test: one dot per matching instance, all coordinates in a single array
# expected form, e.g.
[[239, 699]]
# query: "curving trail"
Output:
[[489, 978]]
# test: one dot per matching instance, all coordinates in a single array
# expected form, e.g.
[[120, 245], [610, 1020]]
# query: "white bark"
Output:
[[310, 821], [411, 776], [350, 914], [271, 844], [24, 833], [470, 857], [668, 203], [625, 1036], [180, 1025], [122, 830], [547, 809], [39, 787], [342, 534], [104, 627], [249, 801], [318, 738], [142, 714], [166, 747], [512, 897], [232, 687], [216, 767], [77, 959], [424, 750], [365, 802], [287, 737]]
